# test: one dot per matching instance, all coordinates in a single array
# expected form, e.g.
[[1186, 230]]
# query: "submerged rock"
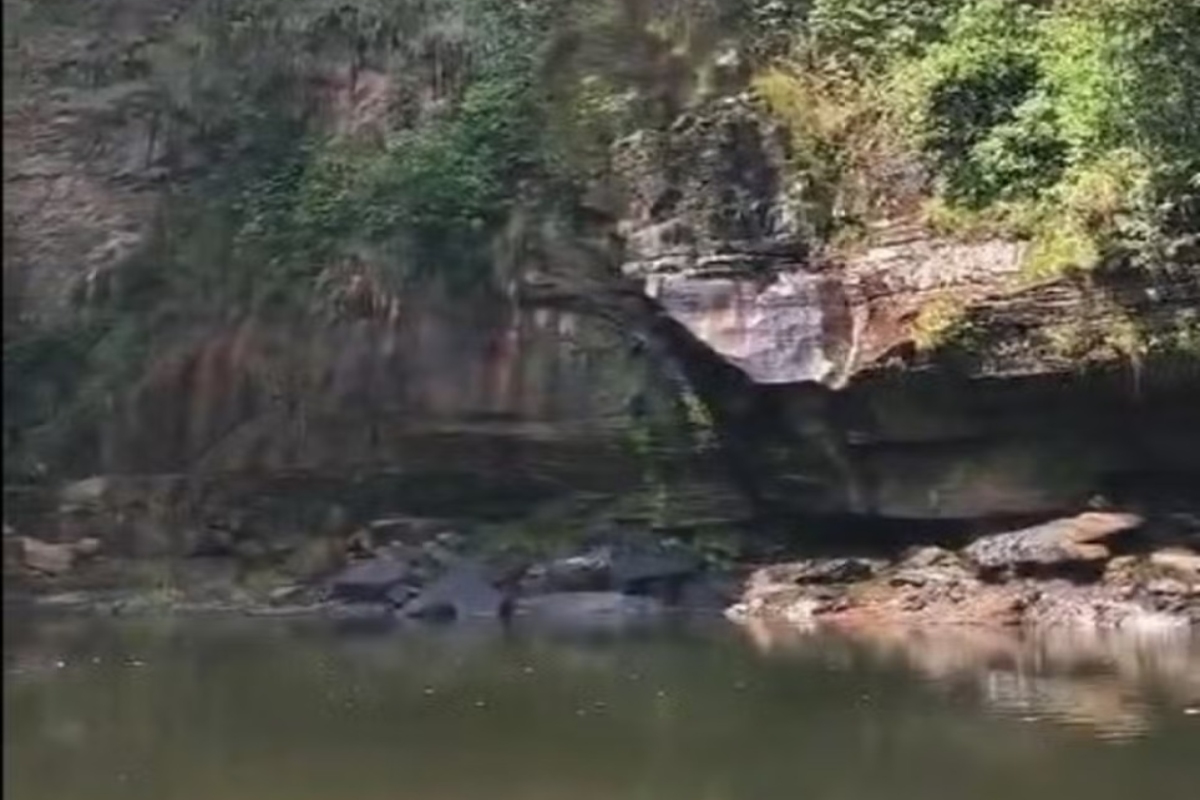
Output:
[[707, 594], [587, 607]]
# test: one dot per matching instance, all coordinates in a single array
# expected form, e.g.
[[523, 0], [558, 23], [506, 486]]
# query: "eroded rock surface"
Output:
[[1080, 538]]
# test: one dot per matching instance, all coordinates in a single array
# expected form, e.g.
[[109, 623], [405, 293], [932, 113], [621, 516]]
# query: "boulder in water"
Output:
[[370, 581], [589, 571], [462, 593], [636, 570]]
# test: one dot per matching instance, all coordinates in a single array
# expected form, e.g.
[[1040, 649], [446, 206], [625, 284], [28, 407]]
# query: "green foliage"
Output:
[[1074, 123], [865, 36], [938, 322], [974, 109]]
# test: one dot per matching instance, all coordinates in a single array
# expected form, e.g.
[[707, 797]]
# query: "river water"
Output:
[[196, 709]]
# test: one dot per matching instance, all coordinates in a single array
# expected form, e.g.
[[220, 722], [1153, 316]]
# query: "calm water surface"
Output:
[[266, 710]]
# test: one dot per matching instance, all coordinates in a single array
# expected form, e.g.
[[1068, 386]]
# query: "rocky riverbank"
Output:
[[1099, 569], [1096, 570]]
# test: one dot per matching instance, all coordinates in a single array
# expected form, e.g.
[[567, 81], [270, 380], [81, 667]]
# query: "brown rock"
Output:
[[924, 557], [1095, 526], [959, 604]]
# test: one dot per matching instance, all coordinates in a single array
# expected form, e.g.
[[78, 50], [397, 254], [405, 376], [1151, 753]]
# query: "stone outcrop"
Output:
[[1080, 539], [835, 405], [715, 235], [981, 585]]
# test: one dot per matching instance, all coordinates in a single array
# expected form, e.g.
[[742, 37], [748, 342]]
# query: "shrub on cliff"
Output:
[[1072, 123]]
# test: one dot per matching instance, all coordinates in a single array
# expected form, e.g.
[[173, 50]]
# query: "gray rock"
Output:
[[634, 568], [1063, 541], [590, 571], [369, 581], [631, 570], [89, 492], [462, 593], [825, 570], [400, 594], [705, 594]]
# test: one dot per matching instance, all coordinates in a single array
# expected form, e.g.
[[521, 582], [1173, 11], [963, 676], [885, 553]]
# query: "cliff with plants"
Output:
[[879, 258]]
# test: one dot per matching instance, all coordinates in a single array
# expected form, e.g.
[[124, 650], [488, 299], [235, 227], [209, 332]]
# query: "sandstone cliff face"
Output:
[[1040, 410], [714, 234]]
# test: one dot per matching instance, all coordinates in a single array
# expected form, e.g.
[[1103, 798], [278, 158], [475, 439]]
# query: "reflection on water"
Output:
[[258, 710], [1108, 683]]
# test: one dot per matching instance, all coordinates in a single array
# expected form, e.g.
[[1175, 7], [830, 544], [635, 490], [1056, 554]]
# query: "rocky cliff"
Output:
[[907, 374], [901, 373]]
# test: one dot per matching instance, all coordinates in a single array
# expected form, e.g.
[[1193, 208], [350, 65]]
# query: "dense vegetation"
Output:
[[1072, 123]]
